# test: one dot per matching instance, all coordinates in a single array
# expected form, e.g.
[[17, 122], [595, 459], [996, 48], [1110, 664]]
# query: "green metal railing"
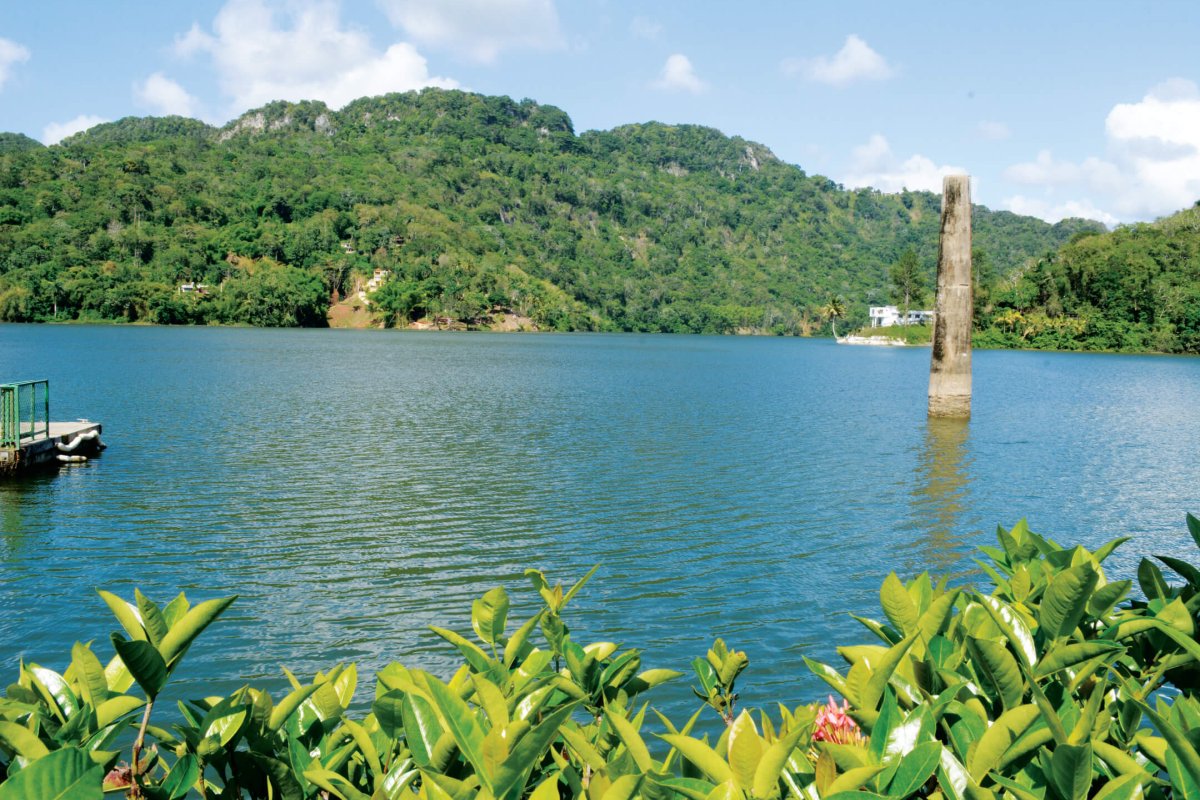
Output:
[[24, 412]]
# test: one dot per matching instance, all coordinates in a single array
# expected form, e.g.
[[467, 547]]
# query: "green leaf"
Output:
[[152, 618], [933, 621], [1177, 740], [1000, 669], [915, 769], [691, 788], [852, 779], [772, 763], [579, 584], [489, 615], [89, 674], [66, 774], [54, 690], [1193, 526], [22, 741], [1012, 626], [517, 643], [528, 752], [998, 738], [700, 754], [829, 675], [193, 623], [114, 708], [897, 605], [1185, 570], [745, 750], [143, 662], [182, 777], [365, 746], [1150, 578], [1071, 770], [1107, 596], [288, 706], [1065, 601], [462, 725], [631, 739], [473, 653], [126, 614], [1069, 656], [881, 673]]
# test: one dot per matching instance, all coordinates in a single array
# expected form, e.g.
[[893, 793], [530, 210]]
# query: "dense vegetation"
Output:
[[1136, 288], [1055, 685], [476, 204]]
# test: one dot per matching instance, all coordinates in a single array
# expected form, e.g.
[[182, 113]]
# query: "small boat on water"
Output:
[[29, 440]]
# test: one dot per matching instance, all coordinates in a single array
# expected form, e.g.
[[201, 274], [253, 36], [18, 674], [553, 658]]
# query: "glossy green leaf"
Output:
[[1150, 579], [998, 667], [126, 614], [1012, 626], [1177, 740], [89, 675], [518, 644], [1069, 656], [1126, 787], [335, 784], [772, 763], [462, 725], [630, 738], [528, 752], [691, 788], [489, 615], [473, 653], [143, 662], [1071, 770], [288, 706], [998, 738], [193, 623], [1193, 526], [114, 708], [745, 750], [915, 769], [54, 690], [152, 618], [881, 673], [22, 741], [700, 754], [898, 606], [66, 774], [1065, 601], [853, 779], [181, 778], [365, 746]]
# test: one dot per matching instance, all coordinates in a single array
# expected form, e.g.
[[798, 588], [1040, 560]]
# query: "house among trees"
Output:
[[887, 316], [198, 288]]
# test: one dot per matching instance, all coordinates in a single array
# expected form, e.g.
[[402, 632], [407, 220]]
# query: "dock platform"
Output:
[[29, 440]]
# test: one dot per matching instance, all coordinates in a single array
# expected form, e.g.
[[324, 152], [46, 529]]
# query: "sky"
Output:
[[1055, 109]]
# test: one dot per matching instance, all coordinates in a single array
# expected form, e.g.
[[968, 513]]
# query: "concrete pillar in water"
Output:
[[950, 368]]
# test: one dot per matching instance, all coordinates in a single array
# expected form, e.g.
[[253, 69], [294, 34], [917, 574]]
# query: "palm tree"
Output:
[[834, 307]]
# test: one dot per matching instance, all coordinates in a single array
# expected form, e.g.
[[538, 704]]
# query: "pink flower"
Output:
[[834, 725]]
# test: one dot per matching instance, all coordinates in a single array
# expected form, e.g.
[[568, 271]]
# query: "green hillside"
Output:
[[1134, 289], [475, 204]]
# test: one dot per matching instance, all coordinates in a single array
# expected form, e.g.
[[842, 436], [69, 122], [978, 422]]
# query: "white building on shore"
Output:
[[887, 316]]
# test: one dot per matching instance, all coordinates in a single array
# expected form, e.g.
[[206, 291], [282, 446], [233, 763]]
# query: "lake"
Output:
[[355, 487]]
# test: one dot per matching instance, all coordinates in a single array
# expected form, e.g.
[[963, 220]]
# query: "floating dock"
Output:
[[29, 440]]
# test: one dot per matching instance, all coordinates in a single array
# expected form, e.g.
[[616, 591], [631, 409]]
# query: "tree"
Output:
[[908, 284], [834, 307]]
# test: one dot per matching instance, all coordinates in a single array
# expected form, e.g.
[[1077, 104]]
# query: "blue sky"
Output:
[[1056, 109]]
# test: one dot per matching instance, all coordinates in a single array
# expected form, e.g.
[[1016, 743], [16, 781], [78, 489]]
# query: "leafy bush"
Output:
[[1056, 685]]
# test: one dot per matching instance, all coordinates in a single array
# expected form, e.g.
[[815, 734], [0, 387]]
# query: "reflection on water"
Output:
[[939, 498]]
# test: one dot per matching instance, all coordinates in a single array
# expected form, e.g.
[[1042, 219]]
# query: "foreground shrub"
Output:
[[1055, 685]]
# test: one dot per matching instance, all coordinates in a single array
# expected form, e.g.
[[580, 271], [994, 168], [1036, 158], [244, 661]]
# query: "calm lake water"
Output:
[[354, 487]]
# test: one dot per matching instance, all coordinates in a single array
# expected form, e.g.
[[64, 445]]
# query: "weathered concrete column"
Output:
[[950, 368]]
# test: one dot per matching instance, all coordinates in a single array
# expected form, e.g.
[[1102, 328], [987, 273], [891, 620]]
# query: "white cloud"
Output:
[[993, 131], [854, 62], [1151, 167], [164, 96], [679, 75], [1053, 212], [874, 164], [301, 52], [55, 132], [479, 29], [10, 53], [645, 28]]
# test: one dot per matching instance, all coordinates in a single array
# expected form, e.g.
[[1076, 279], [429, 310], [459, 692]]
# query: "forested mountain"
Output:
[[475, 204], [1135, 289]]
